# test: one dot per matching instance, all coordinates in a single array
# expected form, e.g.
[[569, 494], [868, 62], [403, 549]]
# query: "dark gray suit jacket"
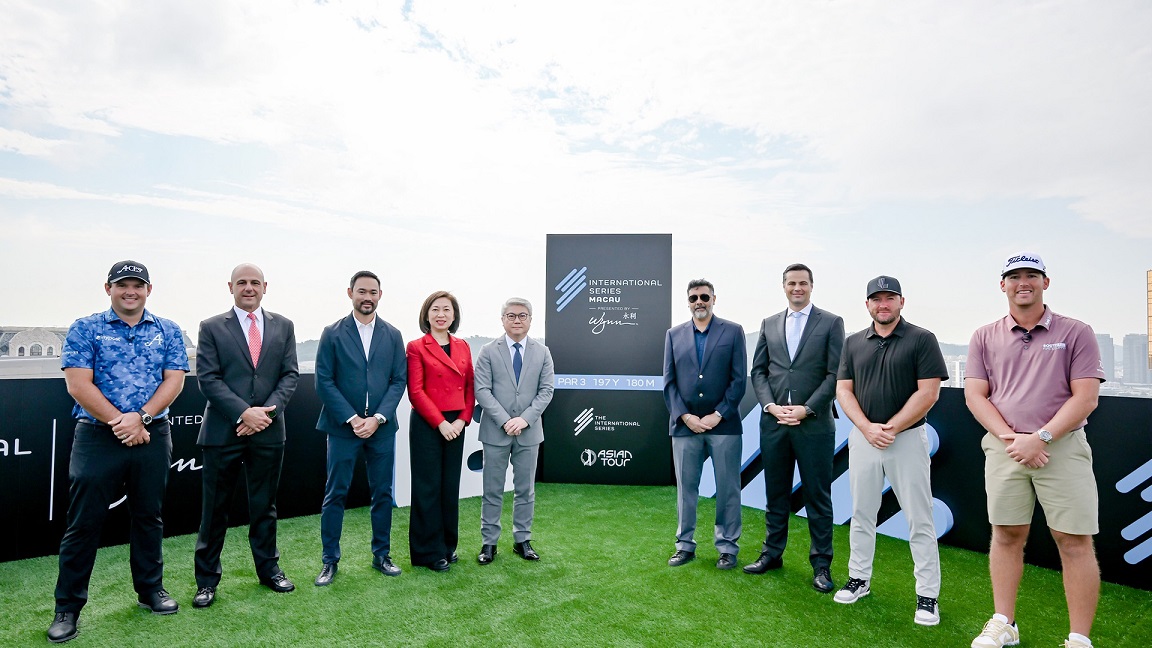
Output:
[[350, 384], [809, 380], [231, 384]]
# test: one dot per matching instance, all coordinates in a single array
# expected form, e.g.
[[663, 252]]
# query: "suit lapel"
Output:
[[353, 335], [438, 352], [813, 320], [688, 342], [506, 357], [271, 329], [377, 339], [237, 335]]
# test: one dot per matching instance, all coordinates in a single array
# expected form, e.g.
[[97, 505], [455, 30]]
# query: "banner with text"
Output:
[[610, 307]]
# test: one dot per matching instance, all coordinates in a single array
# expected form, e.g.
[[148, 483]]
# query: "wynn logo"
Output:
[[1144, 524], [571, 286], [583, 420]]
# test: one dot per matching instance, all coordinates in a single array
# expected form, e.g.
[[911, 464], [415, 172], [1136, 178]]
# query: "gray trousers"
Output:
[[496, 460], [688, 455], [907, 466]]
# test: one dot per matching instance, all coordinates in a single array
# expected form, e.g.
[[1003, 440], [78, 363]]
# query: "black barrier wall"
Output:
[[36, 438], [36, 441], [608, 312]]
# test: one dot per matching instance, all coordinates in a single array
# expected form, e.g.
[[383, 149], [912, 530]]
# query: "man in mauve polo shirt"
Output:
[[1033, 378]]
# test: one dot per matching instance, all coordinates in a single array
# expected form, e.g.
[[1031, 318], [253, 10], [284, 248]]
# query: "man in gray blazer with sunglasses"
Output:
[[514, 383]]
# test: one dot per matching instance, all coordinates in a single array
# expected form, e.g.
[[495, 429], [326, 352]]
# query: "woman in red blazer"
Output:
[[440, 389]]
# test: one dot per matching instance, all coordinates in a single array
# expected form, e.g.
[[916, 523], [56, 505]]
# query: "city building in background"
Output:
[[1107, 355]]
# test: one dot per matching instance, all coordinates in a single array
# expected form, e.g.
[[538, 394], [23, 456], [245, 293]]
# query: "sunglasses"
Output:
[[704, 298]]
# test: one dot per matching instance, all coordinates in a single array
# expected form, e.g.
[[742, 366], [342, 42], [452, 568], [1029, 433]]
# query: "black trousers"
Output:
[[222, 465], [434, 529], [783, 448], [99, 470]]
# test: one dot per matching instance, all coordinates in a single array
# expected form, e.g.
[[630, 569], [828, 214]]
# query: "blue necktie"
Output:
[[517, 361], [794, 335]]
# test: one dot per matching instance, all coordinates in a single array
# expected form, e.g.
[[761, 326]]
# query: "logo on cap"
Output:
[[1022, 258]]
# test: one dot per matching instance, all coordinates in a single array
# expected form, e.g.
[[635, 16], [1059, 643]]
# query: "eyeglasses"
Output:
[[1027, 338], [704, 298], [512, 317]]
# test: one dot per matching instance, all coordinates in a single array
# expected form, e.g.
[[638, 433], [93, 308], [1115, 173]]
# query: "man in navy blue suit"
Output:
[[704, 380], [361, 372]]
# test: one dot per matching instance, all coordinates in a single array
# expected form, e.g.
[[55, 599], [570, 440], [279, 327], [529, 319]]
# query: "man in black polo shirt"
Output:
[[889, 378]]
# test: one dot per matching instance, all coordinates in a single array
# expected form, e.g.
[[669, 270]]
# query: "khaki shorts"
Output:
[[1065, 486]]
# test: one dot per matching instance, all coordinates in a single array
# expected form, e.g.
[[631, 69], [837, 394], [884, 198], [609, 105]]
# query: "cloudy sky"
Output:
[[437, 143]]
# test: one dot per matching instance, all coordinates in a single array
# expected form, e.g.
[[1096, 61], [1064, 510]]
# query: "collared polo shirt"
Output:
[[884, 370], [127, 362], [1029, 382]]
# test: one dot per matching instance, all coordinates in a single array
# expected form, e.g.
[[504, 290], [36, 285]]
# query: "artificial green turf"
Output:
[[602, 581]]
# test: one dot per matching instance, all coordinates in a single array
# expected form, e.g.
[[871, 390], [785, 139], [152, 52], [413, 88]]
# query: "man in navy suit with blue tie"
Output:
[[361, 372], [704, 380]]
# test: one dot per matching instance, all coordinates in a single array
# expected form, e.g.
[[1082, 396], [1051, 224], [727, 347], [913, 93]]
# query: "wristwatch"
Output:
[[1044, 435], [145, 417], [719, 415], [380, 418]]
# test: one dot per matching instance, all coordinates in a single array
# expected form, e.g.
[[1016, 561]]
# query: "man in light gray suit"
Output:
[[794, 375], [514, 383]]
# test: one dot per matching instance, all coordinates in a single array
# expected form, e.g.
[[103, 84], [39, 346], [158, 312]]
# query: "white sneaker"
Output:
[[854, 590], [997, 634], [927, 611], [1075, 643]]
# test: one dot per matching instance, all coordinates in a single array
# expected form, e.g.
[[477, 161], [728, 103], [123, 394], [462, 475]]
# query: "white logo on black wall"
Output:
[[570, 286], [606, 458], [584, 419], [1143, 525]]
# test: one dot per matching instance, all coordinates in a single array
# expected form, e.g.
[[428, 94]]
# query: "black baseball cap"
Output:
[[883, 283], [128, 270]]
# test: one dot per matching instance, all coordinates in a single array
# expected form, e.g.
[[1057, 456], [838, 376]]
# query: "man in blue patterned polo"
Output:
[[124, 367]]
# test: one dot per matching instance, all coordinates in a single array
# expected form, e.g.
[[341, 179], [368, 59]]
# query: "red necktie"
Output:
[[253, 339]]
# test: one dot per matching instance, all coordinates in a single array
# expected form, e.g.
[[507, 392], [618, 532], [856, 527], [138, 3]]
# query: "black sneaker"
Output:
[[854, 590], [927, 611]]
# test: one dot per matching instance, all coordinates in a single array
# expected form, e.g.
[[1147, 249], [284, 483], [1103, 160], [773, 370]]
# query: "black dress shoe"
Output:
[[327, 574], [384, 566], [159, 602], [681, 557], [441, 565], [487, 554], [822, 580], [727, 561], [452, 558], [63, 627], [525, 550], [278, 583], [763, 564], [205, 596]]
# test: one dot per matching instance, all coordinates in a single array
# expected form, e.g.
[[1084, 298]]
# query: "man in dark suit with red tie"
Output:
[[246, 367], [361, 372]]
